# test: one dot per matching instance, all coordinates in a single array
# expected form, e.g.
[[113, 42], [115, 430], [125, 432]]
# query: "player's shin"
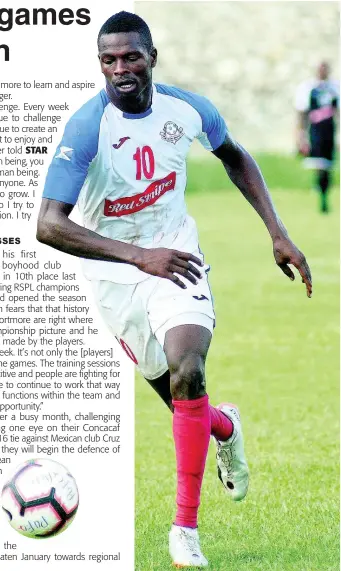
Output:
[[191, 431], [221, 426], [324, 182]]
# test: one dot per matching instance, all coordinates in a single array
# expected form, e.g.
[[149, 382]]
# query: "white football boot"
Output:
[[184, 547], [231, 462]]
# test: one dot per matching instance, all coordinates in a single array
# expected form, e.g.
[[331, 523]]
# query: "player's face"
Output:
[[323, 71], [126, 64]]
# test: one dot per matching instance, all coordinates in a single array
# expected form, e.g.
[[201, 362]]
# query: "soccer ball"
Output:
[[40, 499]]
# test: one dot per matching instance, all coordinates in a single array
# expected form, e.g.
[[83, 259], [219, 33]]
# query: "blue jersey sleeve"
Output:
[[77, 149], [214, 128]]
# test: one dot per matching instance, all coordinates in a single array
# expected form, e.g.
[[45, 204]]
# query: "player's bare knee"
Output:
[[187, 378]]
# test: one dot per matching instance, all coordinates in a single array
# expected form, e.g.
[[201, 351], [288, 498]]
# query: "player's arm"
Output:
[[55, 229], [245, 174], [302, 139], [302, 106]]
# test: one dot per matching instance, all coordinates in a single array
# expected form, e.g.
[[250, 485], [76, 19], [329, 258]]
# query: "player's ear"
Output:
[[153, 57]]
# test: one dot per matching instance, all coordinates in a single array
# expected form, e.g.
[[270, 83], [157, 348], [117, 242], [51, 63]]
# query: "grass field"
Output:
[[274, 353]]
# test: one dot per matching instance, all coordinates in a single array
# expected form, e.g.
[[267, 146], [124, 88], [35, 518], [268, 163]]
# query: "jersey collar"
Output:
[[133, 116]]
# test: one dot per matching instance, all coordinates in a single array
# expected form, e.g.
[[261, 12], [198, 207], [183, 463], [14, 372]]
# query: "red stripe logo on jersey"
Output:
[[131, 204]]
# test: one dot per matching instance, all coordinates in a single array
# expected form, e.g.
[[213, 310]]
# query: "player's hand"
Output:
[[285, 253], [304, 149], [167, 263], [303, 146]]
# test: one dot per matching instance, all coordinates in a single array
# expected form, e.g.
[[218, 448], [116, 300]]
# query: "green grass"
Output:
[[275, 353], [280, 171]]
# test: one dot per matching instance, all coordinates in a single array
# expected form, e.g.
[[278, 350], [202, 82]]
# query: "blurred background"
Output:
[[247, 57], [274, 352]]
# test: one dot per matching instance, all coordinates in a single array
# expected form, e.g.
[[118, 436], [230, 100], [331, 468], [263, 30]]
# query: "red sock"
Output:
[[221, 426], [191, 431]]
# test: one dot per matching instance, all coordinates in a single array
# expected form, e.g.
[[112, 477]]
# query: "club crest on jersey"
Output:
[[171, 132]]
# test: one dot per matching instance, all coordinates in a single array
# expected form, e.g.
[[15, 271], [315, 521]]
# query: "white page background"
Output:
[[105, 519]]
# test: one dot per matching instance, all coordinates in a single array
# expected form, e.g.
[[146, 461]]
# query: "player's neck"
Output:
[[138, 104]]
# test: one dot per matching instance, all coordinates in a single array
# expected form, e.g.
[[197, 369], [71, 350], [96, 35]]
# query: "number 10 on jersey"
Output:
[[145, 162]]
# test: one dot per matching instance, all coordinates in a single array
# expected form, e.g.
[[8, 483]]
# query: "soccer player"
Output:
[[123, 159], [316, 105]]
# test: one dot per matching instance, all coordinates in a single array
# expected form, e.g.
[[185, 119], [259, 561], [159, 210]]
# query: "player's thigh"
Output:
[[327, 148], [183, 321], [322, 142], [123, 309]]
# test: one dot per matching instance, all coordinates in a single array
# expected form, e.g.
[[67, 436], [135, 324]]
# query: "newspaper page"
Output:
[[154, 147], [66, 386]]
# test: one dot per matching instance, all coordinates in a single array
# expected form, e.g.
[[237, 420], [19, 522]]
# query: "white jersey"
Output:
[[317, 94], [128, 172]]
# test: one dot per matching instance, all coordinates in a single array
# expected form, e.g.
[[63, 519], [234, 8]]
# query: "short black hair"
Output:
[[127, 22]]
